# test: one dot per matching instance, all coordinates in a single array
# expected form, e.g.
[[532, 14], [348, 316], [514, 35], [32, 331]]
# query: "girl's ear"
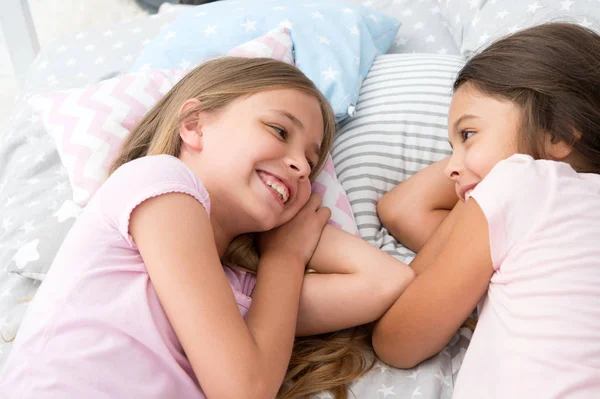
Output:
[[190, 129], [557, 149]]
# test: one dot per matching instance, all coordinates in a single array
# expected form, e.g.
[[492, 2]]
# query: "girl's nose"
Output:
[[452, 168], [299, 165]]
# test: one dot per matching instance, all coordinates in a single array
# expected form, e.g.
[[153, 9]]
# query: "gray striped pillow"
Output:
[[400, 126]]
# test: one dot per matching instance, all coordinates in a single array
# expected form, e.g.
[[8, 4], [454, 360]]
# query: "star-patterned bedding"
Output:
[[334, 42], [36, 203], [35, 195]]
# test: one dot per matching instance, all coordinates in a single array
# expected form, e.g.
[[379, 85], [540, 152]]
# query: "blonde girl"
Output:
[[522, 239], [146, 297]]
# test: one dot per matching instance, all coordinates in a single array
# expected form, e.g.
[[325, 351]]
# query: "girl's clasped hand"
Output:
[[297, 240]]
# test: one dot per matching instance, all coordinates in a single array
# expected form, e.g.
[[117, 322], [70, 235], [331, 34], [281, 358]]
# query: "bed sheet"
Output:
[[37, 211], [14, 290]]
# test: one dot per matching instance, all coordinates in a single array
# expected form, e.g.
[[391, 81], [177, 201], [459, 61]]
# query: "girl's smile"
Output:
[[281, 189], [482, 131]]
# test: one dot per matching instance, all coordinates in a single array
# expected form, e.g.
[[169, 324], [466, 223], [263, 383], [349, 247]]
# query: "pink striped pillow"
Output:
[[88, 124]]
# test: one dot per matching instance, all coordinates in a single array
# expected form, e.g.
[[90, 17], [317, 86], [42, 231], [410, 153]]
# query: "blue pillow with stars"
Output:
[[334, 42]]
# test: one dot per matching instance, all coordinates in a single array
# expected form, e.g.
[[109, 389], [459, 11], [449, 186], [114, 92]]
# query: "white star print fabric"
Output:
[[36, 203], [476, 23], [36, 210], [334, 42], [423, 28]]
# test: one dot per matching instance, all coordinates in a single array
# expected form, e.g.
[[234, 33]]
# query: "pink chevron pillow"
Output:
[[88, 124], [335, 198]]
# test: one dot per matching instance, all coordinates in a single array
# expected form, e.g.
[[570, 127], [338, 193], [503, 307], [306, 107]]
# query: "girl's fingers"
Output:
[[314, 202]]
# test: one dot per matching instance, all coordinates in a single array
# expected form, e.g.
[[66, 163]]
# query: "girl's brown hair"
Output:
[[325, 362], [552, 72]]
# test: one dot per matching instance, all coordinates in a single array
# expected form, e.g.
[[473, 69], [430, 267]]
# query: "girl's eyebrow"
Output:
[[462, 118], [291, 117]]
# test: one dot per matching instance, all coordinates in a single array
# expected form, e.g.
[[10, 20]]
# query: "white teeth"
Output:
[[282, 191]]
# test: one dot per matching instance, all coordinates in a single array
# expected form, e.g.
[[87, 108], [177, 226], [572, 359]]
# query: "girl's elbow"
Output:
[[386, 212], [394, 351], [259, 390], [251, 390], [261, 384], [252, 385]]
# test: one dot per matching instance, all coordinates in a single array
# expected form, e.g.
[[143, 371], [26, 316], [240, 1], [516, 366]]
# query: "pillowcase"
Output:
[[35, 194], [335, 198], [476, 24], [334, 42], [400, 127], [424, 28], [89, 124]]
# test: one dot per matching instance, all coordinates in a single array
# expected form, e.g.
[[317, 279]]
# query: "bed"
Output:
[[398, 127]]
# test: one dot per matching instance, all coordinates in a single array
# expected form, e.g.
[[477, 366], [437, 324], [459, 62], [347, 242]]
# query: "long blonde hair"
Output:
[[325, 362]]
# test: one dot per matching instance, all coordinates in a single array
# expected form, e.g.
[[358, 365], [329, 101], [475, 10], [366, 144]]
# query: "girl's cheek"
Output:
[[305, 188], [483, 160], [478, 162], [304, 192]]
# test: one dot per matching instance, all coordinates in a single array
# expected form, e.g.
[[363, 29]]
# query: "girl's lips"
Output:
[[465, 189], [264, 176]]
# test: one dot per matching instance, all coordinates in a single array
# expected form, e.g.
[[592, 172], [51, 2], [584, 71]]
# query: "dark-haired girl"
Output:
[[509, 223]]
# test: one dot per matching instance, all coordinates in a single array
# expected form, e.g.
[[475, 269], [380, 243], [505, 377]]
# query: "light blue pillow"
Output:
[[334, 42]]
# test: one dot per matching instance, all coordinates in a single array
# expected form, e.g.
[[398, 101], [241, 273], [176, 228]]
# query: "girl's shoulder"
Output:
[[153, 173], [526, 186], [142, 179], [512, 180], [522, 197], [540, 177], [153, 168]]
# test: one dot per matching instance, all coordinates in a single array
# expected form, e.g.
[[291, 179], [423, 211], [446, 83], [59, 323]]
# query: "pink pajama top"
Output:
[[538, 334], [96, 328]]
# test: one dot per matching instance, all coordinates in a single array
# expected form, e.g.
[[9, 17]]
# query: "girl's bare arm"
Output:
[[453, 272], [175, 238], [355, 284], [414, 209]]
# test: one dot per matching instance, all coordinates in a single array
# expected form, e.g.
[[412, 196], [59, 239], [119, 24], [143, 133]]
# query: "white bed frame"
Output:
[[19, 34]]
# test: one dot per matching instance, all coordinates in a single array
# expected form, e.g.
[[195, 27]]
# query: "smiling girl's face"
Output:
[[257, 155], [482, 131]]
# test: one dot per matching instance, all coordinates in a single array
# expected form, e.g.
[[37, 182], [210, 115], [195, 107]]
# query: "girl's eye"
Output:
[[466, 134], [280, 131], [311, 164]]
